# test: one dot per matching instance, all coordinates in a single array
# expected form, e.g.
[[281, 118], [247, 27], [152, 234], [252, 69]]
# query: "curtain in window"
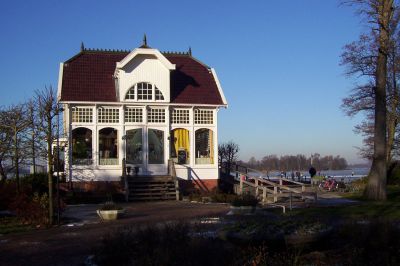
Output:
[[181, 140]]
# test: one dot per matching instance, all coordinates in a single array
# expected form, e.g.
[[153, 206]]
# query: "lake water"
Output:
[[347, 174]]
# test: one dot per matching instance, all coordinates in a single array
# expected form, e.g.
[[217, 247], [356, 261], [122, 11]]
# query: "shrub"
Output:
[[36, 182], [166, 244], [7, 194], [110, 206], [393, 175], [245, 200], [31, 210]]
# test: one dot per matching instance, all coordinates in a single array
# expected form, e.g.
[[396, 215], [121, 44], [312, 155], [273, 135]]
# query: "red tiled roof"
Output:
[[88, 76]]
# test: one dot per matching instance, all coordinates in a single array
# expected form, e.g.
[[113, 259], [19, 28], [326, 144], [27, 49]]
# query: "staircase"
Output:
[[149, 188]]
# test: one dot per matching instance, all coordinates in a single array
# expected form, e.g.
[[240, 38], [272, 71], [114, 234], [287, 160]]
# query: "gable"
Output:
[[143, 68]]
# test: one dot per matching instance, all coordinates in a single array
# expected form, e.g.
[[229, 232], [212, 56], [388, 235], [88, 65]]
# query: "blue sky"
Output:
[[278, 61]]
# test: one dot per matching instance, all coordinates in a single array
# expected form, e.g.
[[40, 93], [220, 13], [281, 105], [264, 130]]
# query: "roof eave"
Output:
[[148, 51]]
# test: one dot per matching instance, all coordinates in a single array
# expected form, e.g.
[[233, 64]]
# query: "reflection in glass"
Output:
[[156, 146], [108, 146], [81, 146], [134, 146], [204, 146]]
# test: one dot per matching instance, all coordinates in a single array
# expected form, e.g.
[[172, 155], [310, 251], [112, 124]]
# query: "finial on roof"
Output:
[[144, 40], [190, 51], [144, 45], [82, 47]]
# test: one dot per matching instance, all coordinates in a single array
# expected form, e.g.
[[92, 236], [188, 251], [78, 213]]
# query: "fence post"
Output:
[[241, 186], [264, 194], [290, 201], [275, 194], [256, 183], [237, 171], [125, 178]]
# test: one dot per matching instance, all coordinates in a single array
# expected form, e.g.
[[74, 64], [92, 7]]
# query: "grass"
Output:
[[386, 210], [10, 225]]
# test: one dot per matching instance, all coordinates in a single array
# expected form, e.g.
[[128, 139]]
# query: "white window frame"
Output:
[[136, 93], [108, 121], [76, 109], [199, 114], [177, 115], [136, 108], [149, 113], [195, 158]]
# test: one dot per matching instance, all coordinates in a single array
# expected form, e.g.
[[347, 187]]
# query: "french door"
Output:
[[146, 148]]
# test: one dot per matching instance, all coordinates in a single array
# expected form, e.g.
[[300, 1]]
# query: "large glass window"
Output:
[[180, 116], [82, 115], [108, 146], [134, 143], [202, 116], [81, 146], [156, 146], [204, 146], [180, 146], [108, 115]]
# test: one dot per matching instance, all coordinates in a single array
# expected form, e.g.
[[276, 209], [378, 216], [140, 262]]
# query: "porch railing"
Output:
[[267, 190], [109, 161]]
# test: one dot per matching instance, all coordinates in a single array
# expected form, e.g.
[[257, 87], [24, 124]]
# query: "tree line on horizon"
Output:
[[298, 162]]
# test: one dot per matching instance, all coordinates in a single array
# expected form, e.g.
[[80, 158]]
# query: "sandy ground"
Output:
[[73, 242]]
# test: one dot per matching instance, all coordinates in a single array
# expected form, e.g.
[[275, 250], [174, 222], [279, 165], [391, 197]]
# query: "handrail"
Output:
[[261, 184], [172, 173]]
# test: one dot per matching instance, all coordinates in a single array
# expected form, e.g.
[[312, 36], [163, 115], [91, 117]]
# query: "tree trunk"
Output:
[[376, 187], [49, 167], [16, 159], [392, 114], [33, 153]]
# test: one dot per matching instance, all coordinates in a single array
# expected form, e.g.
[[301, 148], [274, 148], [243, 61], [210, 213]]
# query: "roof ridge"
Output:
[[176, 53], [105, 50]]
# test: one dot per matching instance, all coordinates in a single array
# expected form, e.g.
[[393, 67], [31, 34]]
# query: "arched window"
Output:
[[204, 146], [81, 146], [108, 146], [158, 94], [180, 145], [130, 95], [144, 91]]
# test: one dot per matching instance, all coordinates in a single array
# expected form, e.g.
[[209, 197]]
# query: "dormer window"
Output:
[[144, 91]]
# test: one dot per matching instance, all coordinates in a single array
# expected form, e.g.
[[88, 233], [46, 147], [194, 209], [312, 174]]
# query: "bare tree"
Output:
[[380, 14], [47, 111], [228, 153], [5, 147], [16, 121]]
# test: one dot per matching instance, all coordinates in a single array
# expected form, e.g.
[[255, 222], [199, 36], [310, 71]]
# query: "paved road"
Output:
[[71, 243]]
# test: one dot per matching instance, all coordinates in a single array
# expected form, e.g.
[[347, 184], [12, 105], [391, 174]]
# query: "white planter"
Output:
[[108, 215]]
